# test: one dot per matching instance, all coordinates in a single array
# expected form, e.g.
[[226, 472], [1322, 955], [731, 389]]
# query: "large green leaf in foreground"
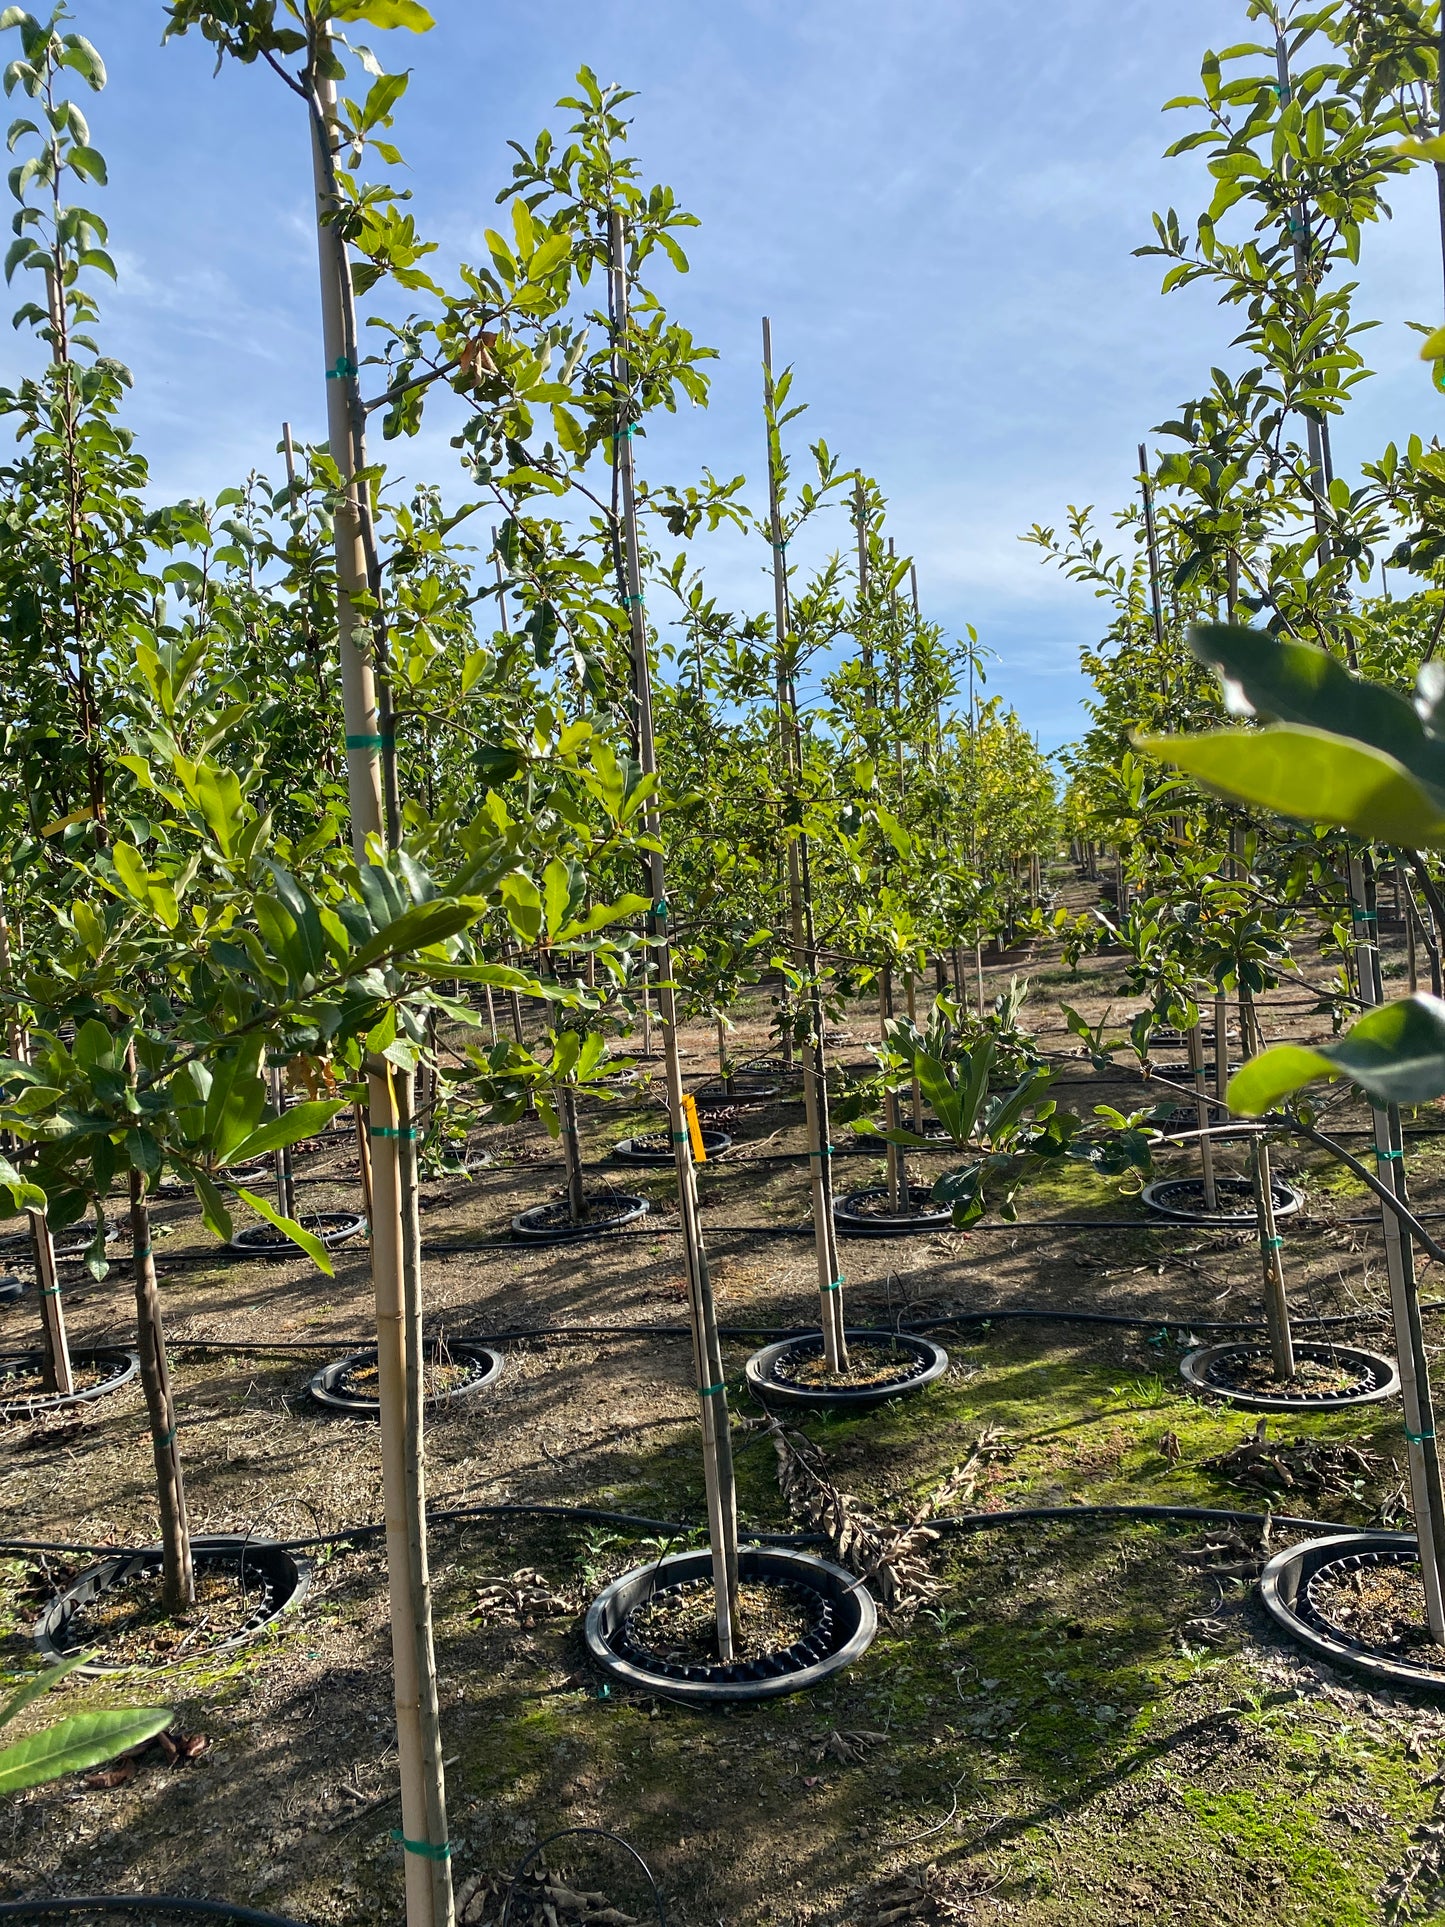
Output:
[[1311, 775], [75, 1744], [1395, 1054]]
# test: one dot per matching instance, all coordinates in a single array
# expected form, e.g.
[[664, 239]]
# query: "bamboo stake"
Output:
[[1426, 1495], [1202, 1109], [707, 1348], [910, 1004], [56, 1372], [1152, 547], [1276, 1304], [973, 825], [800, 906], [285, 1189], [426, 1851]]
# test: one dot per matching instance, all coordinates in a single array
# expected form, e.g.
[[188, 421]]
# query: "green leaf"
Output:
[[385, 13], [301, 1120], [417, 929], [313, 1247], [1290, 682], [87, 161], [216, 1217], [946, 1103], [72, 1745], [1310, 775], [236, 1099], [42, 1681], [1395, 1054]]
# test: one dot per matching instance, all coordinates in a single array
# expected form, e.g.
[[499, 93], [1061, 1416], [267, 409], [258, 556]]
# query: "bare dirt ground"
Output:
[[1087, 1721]]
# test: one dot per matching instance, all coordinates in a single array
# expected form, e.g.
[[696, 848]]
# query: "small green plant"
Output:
[[73, 1744]]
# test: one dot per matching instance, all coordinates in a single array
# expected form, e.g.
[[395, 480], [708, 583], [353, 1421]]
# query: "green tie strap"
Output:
[[423, 1849]]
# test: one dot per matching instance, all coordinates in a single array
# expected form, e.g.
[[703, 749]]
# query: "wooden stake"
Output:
[[707, 1348], [801, 915], [56, 1373], [426, 1851], [1427, 1498], [1276, 1304]]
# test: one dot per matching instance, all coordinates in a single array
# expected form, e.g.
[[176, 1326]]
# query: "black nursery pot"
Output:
[[1214, 1369], [858, 1223], [1290, 1591], [843, 1619], [73, 1242], [656, 1146], [547, 1224], [280, 1581], [119, 1367], [331, 1386], [1183, 1199], [331, 1227], [767, 1380], [747, 1089]]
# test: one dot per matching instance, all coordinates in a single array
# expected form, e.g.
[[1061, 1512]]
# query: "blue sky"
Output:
[[935, 202]]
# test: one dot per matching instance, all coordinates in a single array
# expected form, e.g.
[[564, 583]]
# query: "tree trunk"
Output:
[[179, 1575], [572, 1150], [897, 1168]]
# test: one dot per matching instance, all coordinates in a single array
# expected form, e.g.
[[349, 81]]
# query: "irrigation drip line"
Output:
[[660, 1228], [518, 1248], [1012, 1314], [142, 1904], [958, 1522]]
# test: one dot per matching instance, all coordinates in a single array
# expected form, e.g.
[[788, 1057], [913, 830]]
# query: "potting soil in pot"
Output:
[[868, 1364], [874, 1204], [679, 1624], [1313, 1377], [558, 1216], [22, 1379], [439, 1376], [127, 1624], [1380, 1606]]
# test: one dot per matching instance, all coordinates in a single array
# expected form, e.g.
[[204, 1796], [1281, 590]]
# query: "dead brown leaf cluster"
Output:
[[922, 1894], [1316, 1468], [526, 1597], [893, 1559], [540, 1899]]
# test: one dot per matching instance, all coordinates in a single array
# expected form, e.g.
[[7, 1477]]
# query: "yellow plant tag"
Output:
[[694, 1129]]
